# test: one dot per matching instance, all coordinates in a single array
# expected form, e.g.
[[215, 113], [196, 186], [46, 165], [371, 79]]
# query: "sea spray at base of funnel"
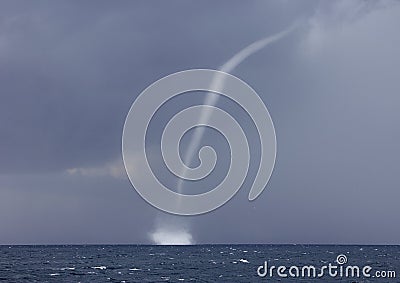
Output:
[[165, 237], [218, 83], [171, 232]]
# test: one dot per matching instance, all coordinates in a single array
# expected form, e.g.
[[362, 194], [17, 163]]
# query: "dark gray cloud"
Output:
[[69, 72]]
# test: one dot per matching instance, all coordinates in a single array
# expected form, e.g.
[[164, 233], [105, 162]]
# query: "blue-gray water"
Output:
[[203, 263]]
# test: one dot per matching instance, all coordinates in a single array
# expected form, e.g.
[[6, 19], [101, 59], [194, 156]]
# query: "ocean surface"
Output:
[[202, 263]]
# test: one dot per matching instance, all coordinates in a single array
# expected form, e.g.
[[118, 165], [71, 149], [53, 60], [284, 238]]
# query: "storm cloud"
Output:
[[69, 72]]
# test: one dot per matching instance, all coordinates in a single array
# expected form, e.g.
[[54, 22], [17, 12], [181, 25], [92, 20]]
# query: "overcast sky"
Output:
[[70, 70]]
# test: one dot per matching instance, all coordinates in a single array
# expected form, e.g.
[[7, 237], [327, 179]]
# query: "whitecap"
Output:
[[243, 260], [134, 269], [99, 267], [54, 274]]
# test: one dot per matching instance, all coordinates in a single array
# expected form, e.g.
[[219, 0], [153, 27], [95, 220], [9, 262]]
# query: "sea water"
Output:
[[199, 263]]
